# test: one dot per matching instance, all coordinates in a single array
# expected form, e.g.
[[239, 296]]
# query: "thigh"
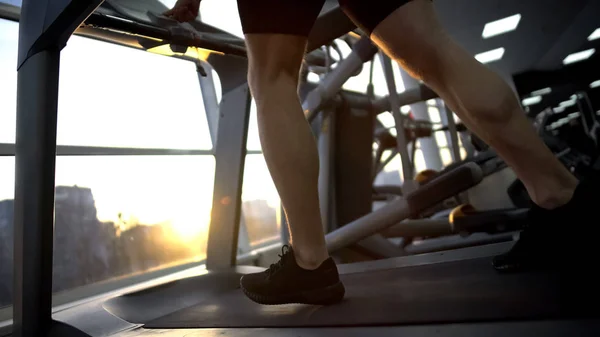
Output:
[[291, 17], [410, 33], [368, 14]]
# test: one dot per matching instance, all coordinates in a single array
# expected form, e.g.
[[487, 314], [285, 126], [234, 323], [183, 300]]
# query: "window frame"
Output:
[[93, 291]]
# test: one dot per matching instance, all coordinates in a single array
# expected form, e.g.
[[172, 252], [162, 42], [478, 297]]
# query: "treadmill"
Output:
[[452, 293]]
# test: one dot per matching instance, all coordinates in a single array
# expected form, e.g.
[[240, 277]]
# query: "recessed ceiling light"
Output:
[[490, 56], [501, 26], [594, 35], [579, 56], [595, 84], [540, 92], [532, 100], [566, 104]]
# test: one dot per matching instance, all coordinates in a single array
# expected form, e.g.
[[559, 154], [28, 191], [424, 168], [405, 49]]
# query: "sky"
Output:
[[113, 96]]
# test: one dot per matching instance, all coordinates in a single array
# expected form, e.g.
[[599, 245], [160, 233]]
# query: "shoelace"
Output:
[[285, 251]]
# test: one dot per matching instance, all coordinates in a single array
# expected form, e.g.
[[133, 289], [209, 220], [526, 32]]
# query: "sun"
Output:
[[189, 226]]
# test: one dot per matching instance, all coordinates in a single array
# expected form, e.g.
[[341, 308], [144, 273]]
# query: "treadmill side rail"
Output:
[[436, 191]]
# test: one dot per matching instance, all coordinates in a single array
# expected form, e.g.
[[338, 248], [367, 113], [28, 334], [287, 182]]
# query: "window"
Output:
[[253, 141], [13, 2], [222, 14], [392, 173], [118, 215], [419, 161], [7, 181], [121, 97], [9, 34], [261, 205], [443, 138]]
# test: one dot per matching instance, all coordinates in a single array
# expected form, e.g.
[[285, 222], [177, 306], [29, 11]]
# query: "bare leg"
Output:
[[414, 37], [288, 144]]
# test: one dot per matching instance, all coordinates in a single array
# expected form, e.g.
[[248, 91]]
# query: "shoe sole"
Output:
[[323, 296]]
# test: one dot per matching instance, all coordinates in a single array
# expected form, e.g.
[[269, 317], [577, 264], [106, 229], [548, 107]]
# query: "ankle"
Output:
[[554, 198], [310, 260]]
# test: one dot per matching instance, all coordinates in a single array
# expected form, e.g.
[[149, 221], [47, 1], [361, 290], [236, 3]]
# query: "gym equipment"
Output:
[[465, 219], [480, 288], [457, 287], [577, 153], [408, 131]]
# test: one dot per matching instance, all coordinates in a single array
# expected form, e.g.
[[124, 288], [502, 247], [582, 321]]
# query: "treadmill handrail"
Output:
[[127, 26], [216, 39], [439, 189]]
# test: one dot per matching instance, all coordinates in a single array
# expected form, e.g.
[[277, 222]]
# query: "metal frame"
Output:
[[209, 97], [558, 328], [326, 148], [230, 157], [9, 12], [427, 258], [42, 35], [429, 145], [447, 243], [436, 191], [34, 193], [70, 150], [447, 118], [330, 85], [588, 117], [395, 104]]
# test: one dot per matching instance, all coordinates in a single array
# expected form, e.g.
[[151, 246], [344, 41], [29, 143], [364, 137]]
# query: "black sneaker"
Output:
[[286, 282], [553, 239], [534, 248]]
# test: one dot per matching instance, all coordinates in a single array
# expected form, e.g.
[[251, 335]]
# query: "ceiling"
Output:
[[549, 30]]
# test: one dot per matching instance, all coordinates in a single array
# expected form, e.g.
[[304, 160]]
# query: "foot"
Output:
[[553, 239], [286, 282]]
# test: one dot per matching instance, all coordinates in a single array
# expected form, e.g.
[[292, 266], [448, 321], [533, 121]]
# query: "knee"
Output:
[[270, 79], [274, 62]]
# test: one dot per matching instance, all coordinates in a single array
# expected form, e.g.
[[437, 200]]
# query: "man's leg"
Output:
[[287, 141], [410, 32], [276, 35]]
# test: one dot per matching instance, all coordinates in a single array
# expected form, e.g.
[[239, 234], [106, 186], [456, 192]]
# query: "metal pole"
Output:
[[209, 97], [456, 242], [37, 100], [44, 29], [447, 117], [407, 172], [429, 145], [230, 158], [436, 191], [419, 228], [324, 142], [363, 51]]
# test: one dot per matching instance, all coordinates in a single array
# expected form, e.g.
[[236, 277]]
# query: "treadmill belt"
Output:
[[462, 291]]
